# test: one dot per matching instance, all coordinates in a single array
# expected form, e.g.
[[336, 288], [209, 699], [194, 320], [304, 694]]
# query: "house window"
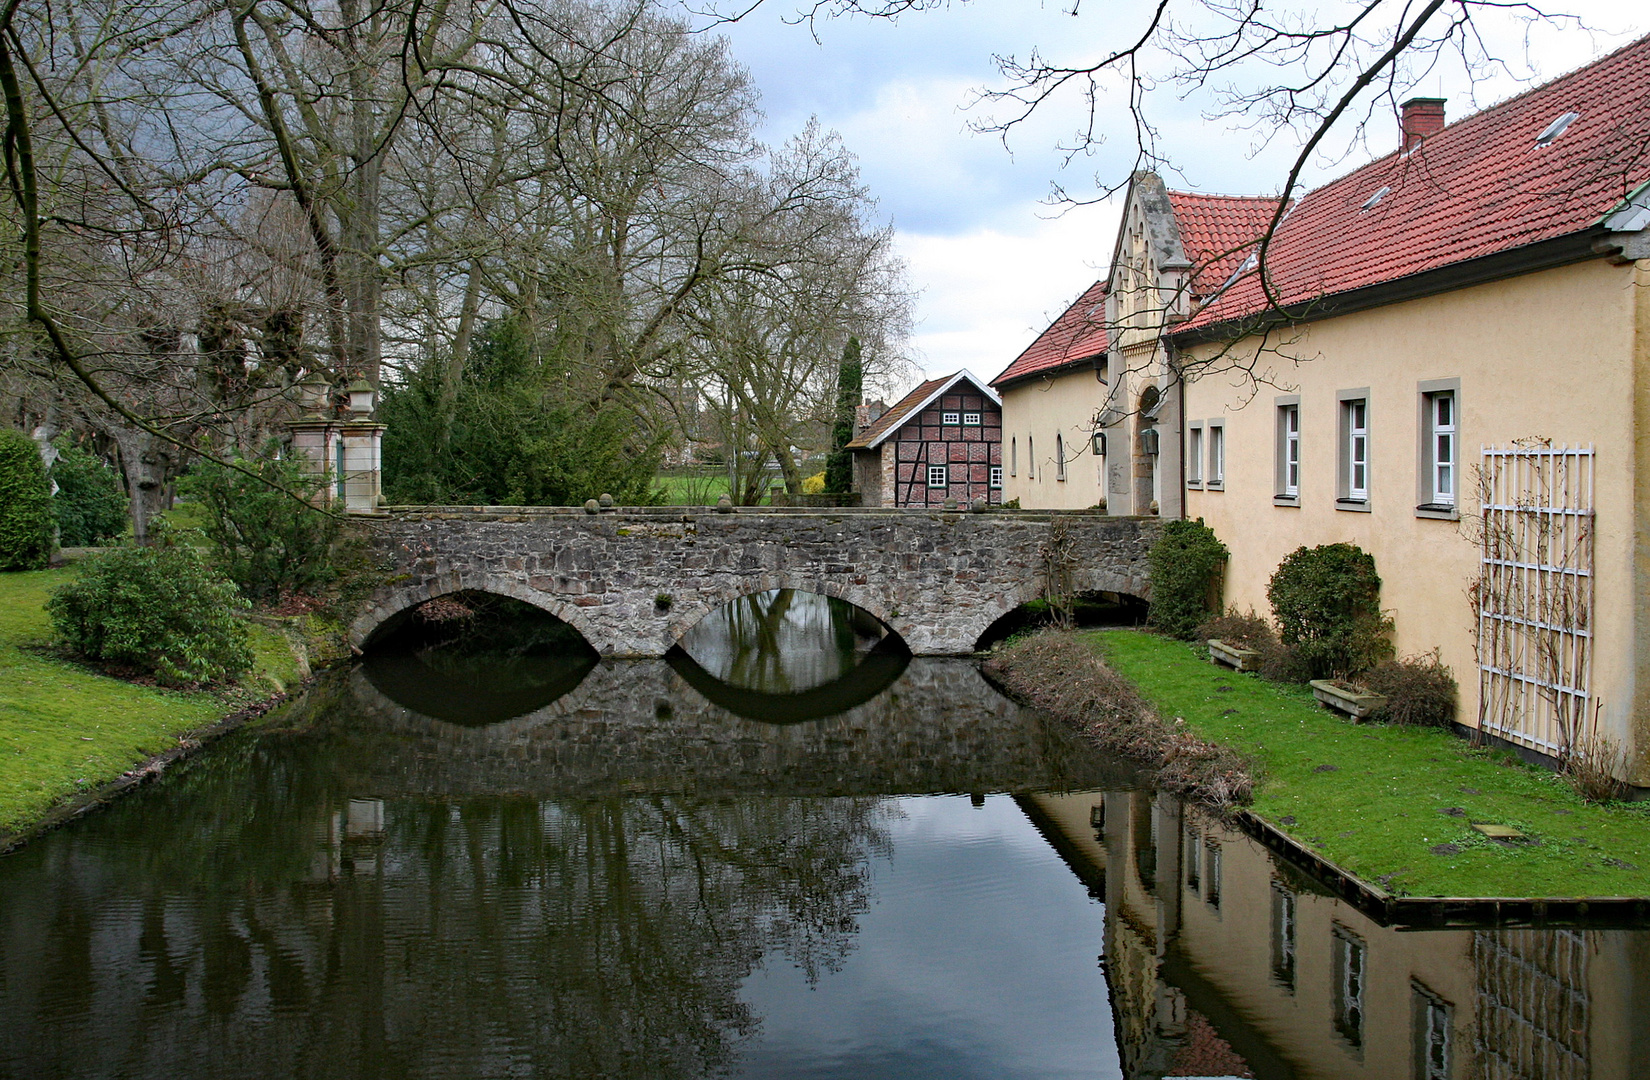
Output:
[[971, 419], [1347, 991], [1194, 862], [1059, 456], [1288, 485], [1352, 470], [1194, 455], [1440, 462], [1014, 456], [996, 476], [1217, 456], [948, 418], [1283, 936], [938, 476], [1031, 457], [1432, 1030]]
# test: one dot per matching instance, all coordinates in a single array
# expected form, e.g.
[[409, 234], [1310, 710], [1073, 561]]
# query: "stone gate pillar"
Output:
[[348, 452]]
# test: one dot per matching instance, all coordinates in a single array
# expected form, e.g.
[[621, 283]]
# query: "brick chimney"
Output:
[[1421, 117]]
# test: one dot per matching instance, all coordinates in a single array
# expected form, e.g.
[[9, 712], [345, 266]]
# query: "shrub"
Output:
[[814, 485], [1326, 601], [264, 539], [25, 504], [1418, 689], [159, 610], [1185, 566], [90, 504]]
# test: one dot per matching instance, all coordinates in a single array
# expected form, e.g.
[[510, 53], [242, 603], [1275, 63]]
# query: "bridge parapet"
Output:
[[634, 580]]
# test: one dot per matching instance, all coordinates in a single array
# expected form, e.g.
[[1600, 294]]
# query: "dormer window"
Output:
[[1552, 131]]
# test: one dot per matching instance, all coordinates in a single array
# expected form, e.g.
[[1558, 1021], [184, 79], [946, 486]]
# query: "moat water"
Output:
[[788, 850]]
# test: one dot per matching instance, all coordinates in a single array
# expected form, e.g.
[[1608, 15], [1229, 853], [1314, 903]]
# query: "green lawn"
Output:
[[64, 729], [1389, 803], [699, 489]]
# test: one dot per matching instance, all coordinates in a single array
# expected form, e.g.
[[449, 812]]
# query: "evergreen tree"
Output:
[[839, 466]]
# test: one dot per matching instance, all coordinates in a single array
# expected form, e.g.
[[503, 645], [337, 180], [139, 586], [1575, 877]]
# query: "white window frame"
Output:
[[1352, 470], [949, 419], [1194, 455], [944, 473], [996, 478], [971, 419], [1430, 502], [1215, 476], [1287, 481]]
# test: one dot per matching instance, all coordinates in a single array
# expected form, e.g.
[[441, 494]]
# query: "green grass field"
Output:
[[1394, 805], [700, 489], [64, 729]]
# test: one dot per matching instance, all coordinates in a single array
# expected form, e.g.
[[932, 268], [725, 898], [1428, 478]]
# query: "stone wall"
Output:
[[634, 581]]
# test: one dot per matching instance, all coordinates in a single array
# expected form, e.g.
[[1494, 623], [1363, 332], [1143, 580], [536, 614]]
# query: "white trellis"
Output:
[[1534, 594]]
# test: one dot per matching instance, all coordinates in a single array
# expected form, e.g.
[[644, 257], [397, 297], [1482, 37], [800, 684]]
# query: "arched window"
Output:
[[1031, 457], [1014, 456], [1059, 456]]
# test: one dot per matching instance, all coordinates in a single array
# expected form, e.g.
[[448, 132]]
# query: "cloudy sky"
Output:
[[993, 262]]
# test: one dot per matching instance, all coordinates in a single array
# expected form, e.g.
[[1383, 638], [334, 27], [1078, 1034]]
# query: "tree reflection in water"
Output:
[[782, 641], [291, 930]]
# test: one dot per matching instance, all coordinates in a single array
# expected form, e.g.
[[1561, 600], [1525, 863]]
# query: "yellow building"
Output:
[[1444, 359]]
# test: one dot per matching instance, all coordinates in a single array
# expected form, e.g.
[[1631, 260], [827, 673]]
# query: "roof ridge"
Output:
[[1456, 125]]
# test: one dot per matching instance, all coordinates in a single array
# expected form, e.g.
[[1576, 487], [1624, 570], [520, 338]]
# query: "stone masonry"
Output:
[[634, 581]]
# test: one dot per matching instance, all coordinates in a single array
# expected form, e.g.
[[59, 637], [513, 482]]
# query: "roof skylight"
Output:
[[1553, 130], [1373, 199]]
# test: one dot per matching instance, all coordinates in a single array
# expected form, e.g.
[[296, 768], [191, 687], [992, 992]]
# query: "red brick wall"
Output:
[[966, 451]]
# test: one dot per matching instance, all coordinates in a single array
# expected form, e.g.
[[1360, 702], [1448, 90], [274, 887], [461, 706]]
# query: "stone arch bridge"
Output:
[[633, 581]]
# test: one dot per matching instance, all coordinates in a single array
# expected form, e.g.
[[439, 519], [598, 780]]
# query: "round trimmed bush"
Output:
[[1327, 603], [1185, 563], [90, 504], [158, 610], [25, 504]]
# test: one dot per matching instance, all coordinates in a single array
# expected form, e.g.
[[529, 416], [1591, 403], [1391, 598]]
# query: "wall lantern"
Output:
[[1148, 441], [313, 391], [361, 395], [1099, 444]]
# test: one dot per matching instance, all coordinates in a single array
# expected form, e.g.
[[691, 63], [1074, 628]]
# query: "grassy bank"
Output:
[[66, 730], [1393, 805]]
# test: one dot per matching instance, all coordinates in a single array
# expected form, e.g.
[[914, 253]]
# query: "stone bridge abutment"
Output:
[[634, 581]]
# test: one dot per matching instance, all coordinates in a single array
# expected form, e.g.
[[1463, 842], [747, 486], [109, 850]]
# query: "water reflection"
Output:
[[784, 641], [1224, 962], [477, 658], [596, 890]]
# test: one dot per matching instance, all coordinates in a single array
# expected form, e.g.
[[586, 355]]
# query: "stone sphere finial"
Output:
[[950, 504], [978, 505], [590, 506], [724, 505], [606, 500]]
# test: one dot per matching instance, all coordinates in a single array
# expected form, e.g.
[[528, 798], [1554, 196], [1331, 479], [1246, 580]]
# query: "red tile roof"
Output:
[[897, 413], [1216, 232], [1077, 336], [1480, 186]]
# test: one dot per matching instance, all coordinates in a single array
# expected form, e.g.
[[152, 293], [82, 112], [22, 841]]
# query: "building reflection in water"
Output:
[[1225, 962]]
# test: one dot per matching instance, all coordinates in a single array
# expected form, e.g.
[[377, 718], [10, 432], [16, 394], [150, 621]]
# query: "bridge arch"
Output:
[[389, 602], [688, 611]]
